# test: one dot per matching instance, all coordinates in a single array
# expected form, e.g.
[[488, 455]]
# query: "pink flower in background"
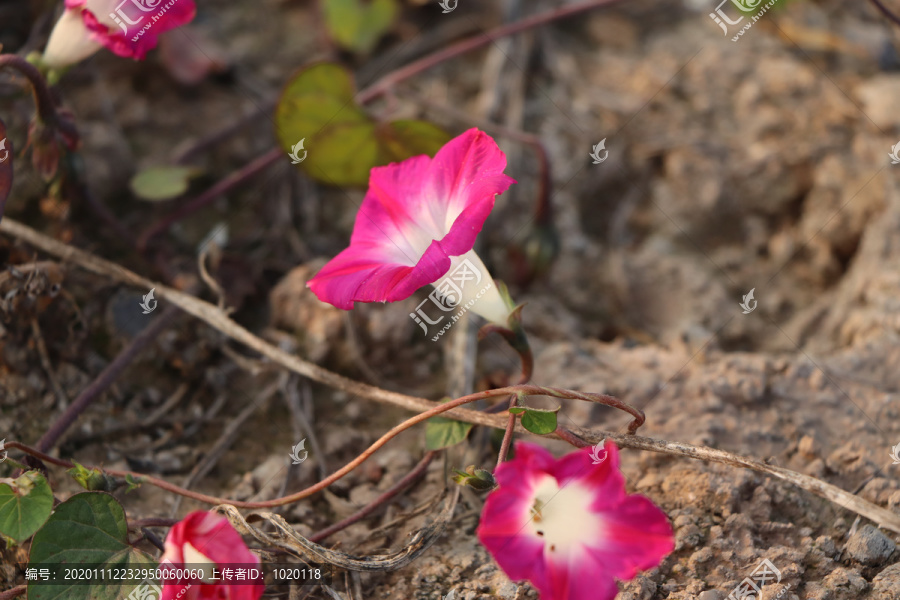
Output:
[[129, 28], [203, 540], [568, 526], [418, 221]]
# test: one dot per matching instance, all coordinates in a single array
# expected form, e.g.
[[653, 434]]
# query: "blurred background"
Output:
[[758, 164]]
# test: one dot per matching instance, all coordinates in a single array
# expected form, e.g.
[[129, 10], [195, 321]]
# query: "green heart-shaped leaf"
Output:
[[341, 143], [402, 139], [87, 529], [25, 504], [541, 422], [441, 432], [357, 25]]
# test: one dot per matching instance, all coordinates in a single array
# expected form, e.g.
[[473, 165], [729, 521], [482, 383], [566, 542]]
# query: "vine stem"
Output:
[[249, 170], [43, 98], [387, 496], [350, 466], [383, 85], [216, 318], [507, 434], [887, 13], [107, 377]]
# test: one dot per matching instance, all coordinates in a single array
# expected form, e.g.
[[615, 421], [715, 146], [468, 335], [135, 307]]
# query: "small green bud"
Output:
[[93, 479], [479, 480]]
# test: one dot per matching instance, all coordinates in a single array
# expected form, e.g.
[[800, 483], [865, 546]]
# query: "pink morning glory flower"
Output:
[[204, 540], [129, 28], [417, 223], [568, 526]]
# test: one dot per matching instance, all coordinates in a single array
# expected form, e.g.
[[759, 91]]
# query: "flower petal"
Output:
[[464, 179], [529, 458], [138, 30], [578, 577], [591, 532], [519, 556], [416, 215], [637, 536], [605, 478], [205, 536], [70, 42], [357, 275]]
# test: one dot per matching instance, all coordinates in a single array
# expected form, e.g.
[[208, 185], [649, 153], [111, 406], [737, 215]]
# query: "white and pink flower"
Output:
[[418, 220], [129, 28], [203, 540], [568, 526]]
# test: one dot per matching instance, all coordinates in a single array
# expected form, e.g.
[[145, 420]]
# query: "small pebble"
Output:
[[870, 546]]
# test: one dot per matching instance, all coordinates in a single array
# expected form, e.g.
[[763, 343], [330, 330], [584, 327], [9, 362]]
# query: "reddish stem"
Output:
[[207, 197], [106, 378], [150, 522], [507, 434], [524, 390], [42, 97], [384, 84], [887, 13], [395, 489]]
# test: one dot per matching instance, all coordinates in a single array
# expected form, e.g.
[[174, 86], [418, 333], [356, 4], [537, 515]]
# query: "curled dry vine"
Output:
[[285, 537]]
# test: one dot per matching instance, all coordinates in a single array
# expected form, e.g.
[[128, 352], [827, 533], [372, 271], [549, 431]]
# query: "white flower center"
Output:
[[194, 559], [561, 517], [468, 281]]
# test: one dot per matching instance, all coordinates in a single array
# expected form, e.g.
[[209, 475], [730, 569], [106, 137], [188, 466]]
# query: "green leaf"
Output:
[[162, 183], [402, 139], [443, 433], [539, 421], [343, 154], [357, 25], [517, 410], [341, 142], [133, 483], [25, 504], [87, 529]]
